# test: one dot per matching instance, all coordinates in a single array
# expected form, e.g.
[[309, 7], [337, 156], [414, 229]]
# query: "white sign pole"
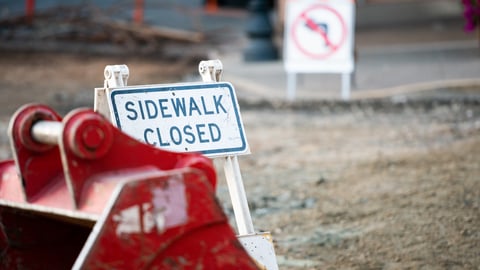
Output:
[[346, 86], [238, 196], [211, 72], [291, 85], [259, 246]]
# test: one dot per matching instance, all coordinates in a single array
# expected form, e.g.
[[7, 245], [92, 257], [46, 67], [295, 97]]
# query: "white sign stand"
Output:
[[258, 245], [211, 72], [319, 38]]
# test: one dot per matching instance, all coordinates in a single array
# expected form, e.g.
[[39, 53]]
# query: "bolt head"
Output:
[[92, 137]]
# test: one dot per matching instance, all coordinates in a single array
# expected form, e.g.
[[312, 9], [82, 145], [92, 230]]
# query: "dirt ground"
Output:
[[355, 186]]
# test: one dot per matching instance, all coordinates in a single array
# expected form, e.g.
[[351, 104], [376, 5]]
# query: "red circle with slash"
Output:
[[304, 19]]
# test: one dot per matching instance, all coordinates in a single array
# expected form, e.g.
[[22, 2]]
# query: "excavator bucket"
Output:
[[81, 194]]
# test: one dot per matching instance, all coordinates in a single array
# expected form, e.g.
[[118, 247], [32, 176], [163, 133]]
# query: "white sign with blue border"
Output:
[[196, 117]]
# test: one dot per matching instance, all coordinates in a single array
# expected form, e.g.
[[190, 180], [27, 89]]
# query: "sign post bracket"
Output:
[[115, 76]]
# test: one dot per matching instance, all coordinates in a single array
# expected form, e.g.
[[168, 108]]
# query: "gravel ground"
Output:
[[366, 185], [365, 188]]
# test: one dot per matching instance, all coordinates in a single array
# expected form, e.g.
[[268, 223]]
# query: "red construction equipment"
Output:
[[81, 194]]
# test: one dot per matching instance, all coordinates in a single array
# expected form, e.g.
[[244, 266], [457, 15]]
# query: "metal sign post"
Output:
[[258, 245], [346, 86], [211, 71], [291, 85], [238, 196]]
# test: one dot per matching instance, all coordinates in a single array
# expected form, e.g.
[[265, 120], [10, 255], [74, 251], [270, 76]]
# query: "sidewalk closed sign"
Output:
[[319, 36], [199, 117]]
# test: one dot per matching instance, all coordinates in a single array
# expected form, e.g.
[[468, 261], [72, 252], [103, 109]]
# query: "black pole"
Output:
[[260, 32]]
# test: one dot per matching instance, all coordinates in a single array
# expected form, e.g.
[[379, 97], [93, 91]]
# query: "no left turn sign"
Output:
[[319, 36], [324, 27]]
